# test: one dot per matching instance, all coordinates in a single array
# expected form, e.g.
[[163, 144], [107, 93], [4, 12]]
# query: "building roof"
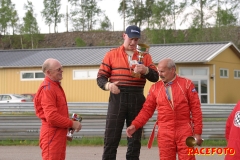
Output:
[[92, 56]]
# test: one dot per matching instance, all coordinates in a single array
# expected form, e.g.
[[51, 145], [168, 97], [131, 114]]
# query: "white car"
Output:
[[8, 98]]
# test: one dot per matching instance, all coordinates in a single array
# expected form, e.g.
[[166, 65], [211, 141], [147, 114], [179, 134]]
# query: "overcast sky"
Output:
[[110, 7]]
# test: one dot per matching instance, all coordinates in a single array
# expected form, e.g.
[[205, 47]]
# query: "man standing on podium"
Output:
[[122, 75]]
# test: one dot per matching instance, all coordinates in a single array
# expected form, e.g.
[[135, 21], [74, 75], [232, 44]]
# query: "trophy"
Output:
[[192, 141], [75, 117], [142, 50]]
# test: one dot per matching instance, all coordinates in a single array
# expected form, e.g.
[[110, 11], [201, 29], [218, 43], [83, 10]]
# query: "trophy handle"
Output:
[[142, 49]]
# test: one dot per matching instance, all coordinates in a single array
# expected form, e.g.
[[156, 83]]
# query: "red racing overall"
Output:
[[232, 133], [174, 117], [51, 107]]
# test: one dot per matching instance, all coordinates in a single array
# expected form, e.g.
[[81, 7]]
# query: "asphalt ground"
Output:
[[86, 153]]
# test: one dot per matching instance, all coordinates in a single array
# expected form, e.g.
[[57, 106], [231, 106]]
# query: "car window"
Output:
[[6, 97], [18, 96], [28, 96]]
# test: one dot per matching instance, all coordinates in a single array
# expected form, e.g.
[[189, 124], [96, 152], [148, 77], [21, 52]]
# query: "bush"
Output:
[[80, 42]]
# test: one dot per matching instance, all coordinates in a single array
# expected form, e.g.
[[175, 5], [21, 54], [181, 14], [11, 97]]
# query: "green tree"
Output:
[[160, 19], [85, 14], [5, 15], [226, 12], [126, 10], [78, 15], [148, 11], [8, 19], [133, 11], [13, 18], [92, 13], [199, 16], [177, 8], [51, 13], [20, 30], [200, 13], [105, 24], [226, 18], [45, 14], [30, 27], [137, 12]]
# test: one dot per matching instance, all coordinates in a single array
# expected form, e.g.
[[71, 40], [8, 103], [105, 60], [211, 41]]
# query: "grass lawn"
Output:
[[98, 142]]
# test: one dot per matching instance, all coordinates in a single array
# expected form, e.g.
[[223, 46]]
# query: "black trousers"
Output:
[[123, 106]]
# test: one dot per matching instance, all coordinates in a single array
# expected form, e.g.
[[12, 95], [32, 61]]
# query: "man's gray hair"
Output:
[[46, 64], [171, 63]]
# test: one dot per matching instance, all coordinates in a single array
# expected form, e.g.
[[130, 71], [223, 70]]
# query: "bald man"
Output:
[[179, 112], [51, 107]]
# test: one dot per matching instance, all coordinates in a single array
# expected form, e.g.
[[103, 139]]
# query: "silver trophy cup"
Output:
[[75, 117]]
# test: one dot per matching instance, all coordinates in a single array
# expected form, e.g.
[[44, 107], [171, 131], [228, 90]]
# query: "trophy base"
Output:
[[136, 75], [69, 138], [70, 135], [192, 141]]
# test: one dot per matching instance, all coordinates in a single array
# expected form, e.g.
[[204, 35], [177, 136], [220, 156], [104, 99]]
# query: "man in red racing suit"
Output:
[[232, 133], [51, 107], [179, 112]]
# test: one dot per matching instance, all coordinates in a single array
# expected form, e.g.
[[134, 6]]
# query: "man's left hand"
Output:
[[199, 139]]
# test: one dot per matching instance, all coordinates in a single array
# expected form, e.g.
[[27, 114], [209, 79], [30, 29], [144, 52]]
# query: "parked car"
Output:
[[7, 98], [29, 96]]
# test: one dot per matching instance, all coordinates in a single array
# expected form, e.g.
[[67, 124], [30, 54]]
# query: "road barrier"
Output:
[[18, 122]]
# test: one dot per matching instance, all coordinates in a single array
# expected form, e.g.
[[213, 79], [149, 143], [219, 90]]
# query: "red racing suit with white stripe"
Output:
[[178, 117]]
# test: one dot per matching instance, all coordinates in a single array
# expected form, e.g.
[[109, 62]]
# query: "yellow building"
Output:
[[213, 67]]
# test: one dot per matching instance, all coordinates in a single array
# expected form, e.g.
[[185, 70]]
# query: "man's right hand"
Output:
[[130, 130], [114, 88], [76, 126]]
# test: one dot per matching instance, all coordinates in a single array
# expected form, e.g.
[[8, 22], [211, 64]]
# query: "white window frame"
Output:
[[88, 73], [198, 79], [238, 71], [200, 94], [30, 79], [193, 69], [224, 69]]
